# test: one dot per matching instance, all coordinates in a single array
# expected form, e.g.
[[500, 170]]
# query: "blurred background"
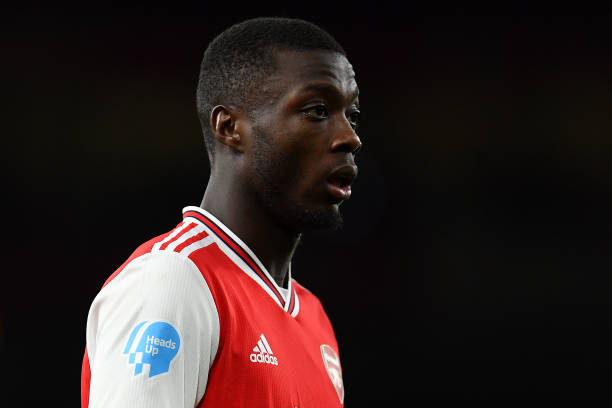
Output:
[[475, 264]]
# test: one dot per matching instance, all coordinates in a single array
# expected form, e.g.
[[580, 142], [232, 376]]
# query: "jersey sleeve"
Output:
[[152, 335]]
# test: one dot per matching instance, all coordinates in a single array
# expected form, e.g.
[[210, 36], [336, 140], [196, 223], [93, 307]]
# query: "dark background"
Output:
[[475, 263]]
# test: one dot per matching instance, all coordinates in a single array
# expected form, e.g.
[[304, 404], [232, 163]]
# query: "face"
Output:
[[301, 159]]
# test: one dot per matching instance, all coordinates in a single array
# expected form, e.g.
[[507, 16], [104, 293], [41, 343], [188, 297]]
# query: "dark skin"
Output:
[[287, 166]]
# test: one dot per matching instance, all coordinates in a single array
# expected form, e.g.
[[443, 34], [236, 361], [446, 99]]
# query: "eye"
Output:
[[353, 118], [317, 112]]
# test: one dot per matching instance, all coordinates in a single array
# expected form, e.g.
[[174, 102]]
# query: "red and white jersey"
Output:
[[193, 319]]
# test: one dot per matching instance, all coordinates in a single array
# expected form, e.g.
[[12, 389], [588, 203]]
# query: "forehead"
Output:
[[297, 69]]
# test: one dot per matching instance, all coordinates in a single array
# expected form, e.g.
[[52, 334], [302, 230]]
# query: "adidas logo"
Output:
[[262, 353]]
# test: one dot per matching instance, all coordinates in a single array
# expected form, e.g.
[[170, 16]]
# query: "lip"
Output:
[[339, 181], [339, 193]]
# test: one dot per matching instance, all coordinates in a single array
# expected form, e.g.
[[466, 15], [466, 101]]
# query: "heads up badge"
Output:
[[154, 343]]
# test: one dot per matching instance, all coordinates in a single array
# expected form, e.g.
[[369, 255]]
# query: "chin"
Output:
[[299, 216], [319, 218]]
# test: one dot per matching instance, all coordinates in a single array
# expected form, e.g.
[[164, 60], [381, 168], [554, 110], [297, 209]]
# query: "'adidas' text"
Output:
[[263, 358]]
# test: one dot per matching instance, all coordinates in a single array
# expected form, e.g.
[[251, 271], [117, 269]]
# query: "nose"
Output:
[[345, 139]]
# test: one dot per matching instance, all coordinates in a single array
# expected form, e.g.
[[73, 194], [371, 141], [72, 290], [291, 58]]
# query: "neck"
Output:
[[273, 244]]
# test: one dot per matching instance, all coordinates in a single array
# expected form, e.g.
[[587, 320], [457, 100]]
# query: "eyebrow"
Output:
[[328, 88]]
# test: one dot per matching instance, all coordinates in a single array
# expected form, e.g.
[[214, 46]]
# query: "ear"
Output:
[[223, 122]]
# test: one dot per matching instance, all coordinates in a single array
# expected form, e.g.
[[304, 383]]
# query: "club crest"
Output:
[[332, 365]]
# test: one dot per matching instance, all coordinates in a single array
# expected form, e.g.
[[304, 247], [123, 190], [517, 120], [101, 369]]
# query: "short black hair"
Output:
[[239, 58]]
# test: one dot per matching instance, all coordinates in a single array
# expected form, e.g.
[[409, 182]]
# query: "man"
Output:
[[208, 314]]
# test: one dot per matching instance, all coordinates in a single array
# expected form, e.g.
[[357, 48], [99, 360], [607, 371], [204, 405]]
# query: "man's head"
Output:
[[278, 103], [238, 59]]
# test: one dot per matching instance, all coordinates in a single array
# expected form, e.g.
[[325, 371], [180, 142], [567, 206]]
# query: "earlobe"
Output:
[[223, 125]]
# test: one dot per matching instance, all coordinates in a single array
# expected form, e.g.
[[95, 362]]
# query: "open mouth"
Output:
[[340, 180]]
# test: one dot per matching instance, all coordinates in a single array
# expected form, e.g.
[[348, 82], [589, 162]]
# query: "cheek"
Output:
[[308, 177], [293, 161], [284, 170], [292, 175]]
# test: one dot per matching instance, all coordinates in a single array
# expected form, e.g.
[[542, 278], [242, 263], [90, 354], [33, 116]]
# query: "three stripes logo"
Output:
[[262, 353]]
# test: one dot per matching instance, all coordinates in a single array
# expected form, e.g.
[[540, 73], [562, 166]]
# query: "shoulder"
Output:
[[155, 271], [176, 244], [159, 278], [161, 284], [307, 299], [302, 291], [313, 312], [153, 285]]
